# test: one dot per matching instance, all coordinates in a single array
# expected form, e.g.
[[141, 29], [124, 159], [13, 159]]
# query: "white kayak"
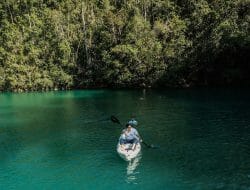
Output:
[[126, 151]]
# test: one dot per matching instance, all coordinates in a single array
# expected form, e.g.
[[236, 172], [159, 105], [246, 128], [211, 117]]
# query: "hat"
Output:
[[133, 123]]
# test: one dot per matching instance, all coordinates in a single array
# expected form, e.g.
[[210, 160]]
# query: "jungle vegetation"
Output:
[[65, 44]]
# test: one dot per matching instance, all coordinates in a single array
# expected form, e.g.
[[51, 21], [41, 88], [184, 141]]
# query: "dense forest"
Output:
[[65, 44]]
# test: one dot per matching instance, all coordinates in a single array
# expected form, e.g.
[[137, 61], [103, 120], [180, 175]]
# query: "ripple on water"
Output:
[[66, 141]]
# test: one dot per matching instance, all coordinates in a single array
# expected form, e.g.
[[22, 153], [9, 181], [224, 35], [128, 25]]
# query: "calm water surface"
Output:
[[64, 140]]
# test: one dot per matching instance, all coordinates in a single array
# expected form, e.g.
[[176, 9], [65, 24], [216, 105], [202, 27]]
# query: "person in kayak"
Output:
[[129, 135]]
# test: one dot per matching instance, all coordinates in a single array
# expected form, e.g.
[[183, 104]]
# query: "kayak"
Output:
[[126, 151]]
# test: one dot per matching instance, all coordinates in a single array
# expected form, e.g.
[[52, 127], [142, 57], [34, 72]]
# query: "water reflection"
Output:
[[132, 173]]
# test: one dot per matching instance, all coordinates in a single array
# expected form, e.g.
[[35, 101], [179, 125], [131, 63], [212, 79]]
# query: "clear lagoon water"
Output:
[[65, 140]]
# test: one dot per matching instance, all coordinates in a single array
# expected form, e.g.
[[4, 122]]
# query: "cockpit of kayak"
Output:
[[127, 151]]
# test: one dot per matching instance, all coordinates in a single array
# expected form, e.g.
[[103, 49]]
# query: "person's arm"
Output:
[[137, 134]]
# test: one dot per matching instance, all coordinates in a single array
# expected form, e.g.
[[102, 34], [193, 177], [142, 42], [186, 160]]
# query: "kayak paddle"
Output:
[[115, 120]]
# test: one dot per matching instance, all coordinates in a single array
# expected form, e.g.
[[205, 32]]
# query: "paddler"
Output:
[[130, 134]]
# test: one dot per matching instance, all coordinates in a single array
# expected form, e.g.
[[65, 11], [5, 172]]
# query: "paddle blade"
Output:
[[154, 146], [150, 146], [114, 119]]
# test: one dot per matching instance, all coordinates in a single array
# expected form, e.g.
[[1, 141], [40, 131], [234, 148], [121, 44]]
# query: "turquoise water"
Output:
[[64, 140]]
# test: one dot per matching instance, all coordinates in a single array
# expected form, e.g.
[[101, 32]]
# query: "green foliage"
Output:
[[54, 44], [137, 60]]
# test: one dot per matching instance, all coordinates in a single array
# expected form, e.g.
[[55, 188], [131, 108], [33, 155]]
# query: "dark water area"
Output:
[[65, 140]]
